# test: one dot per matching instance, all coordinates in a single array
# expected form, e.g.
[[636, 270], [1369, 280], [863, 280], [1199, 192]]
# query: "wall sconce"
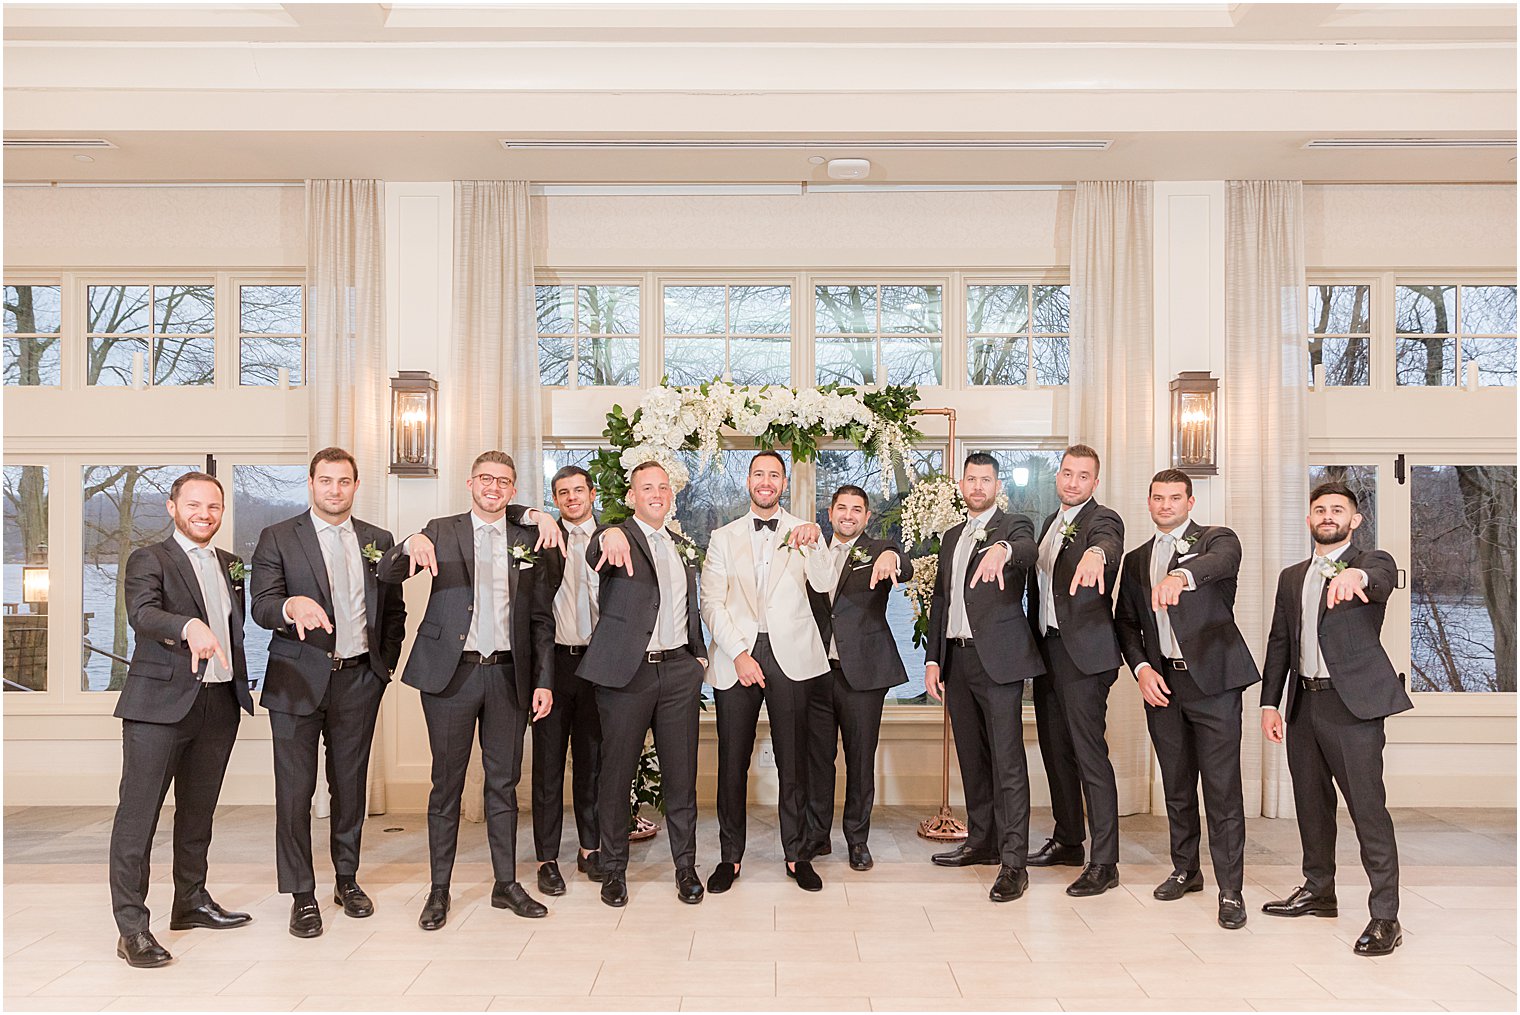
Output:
[[414, 424], [34, 585], [1195, 423]]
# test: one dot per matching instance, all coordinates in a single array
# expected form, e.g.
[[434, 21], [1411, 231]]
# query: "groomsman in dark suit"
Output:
[[179, 713], [1176, 621], [573, 723], [483, 657], [1071, 610], [980, 652], [646, 659], [337, 636], [849, 583], [1325, 651]]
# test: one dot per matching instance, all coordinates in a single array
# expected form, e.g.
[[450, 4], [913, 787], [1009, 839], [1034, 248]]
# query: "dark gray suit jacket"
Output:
[[857, 619], [999, 630], [1086, 620]]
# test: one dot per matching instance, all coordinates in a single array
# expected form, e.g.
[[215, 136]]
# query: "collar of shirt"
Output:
[[777, 518], [647, 529], [980, 521], [347, 525], [1177, 532], [585, 528], [848, 544], [479, 523], [1334, 554], [187, 544], [1069, 514]]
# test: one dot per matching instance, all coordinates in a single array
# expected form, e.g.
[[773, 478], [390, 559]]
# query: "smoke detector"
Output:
[[849, 169]]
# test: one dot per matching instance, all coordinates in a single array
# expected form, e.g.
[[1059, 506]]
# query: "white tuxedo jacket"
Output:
[[731, 607]]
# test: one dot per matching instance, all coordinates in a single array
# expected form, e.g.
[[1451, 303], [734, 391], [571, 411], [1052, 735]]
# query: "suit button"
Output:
[[461, 637], [470, 608]]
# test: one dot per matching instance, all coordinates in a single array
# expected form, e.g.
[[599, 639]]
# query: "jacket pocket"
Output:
[[284, 647], [153, 671], [428, 629]]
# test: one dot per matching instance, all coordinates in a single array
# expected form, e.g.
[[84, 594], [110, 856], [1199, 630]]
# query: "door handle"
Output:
[[1402, 581]]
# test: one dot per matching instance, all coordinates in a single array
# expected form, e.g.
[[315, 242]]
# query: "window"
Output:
[[32, 335], [271, 335], [1029, 480], [1362, 479], [261, 496], [170, 329], [1340, 334], [556, 459], [1431, 318], [589, 333], [1009, 344], [738, 332], [26, 578], [716, 497], [1462, 615], [878, 334]]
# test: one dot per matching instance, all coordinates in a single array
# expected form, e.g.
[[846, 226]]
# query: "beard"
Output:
[[1337, 536]]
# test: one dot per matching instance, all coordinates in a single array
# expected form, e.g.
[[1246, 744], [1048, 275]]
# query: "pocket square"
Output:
[[524, 567], [1186, 556]]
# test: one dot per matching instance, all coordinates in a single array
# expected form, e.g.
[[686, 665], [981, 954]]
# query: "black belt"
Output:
[[664, 655], [1175, 664], [362, 659], [494, 659], [1052, 632], [573, 650], [1314, 683], [960, 642]]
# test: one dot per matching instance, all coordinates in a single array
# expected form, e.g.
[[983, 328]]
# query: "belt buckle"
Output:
[[1179, 664], [654, 657]]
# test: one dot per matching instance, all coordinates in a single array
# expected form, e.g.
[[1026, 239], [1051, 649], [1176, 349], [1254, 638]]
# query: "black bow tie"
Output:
[[765, 523]]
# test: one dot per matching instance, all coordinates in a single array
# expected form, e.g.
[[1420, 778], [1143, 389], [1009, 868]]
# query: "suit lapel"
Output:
[[186, 568], [513, 566], [1297, 575], [1145, 567], [636, 537], [1191, 529], [306, 534], [947, 551], [366, 535], [844, 572], [464, 531], [234, 596]]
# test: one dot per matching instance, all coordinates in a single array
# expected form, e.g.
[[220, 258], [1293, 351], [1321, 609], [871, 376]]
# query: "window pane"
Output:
[[911, 360], [1495, 358], [556, 309], [845, 309], [31, 362], [846, 360], [556, 459], [605, 360], [998, 360], [1052, 309], [694, 310], [997, 309], [26, 537], [271, 309], [554, 356], [123, 509], [910, 308], [116, 309], [184, 361], [610, 310], [1462, 614], [184, 309], [760, 309], [1029, 479], [1426, 361], [1052, 359], [1348, 361], [1488, 310], [261, 496], [35, 309], [1363, 482], [110, 361], [760, 360], [716, 497], [262, 358], [1339, 309], [694, 360], [1425, 309]]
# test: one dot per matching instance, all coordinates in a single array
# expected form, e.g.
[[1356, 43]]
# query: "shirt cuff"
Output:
[[1099, 551], [285, 611], [1365, 579], [1272, 707], [1187, 576], [184, 632]]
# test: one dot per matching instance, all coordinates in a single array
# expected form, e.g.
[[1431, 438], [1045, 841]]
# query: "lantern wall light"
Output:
[[414, 424]]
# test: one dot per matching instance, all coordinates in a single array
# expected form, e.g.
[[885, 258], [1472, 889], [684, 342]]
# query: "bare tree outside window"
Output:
[[261, 496], [1016, 332], [33, 324], [172, 326], [1431, 317], [1340, 334], [26, 544], [590, 332], [740, 332], [1363, 482], [878, 334], [271, 334]]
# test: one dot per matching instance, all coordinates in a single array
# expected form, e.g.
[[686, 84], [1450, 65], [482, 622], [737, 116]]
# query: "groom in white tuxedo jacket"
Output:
[[765, 649]]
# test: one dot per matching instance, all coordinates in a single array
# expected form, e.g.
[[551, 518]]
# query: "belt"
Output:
[[664, 655], [494, 659], [1314, 683], [573, 650], [362, 659], [960, 642], [1175, 664], [1052, 632]]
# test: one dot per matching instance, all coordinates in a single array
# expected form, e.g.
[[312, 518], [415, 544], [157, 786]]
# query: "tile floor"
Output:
[[904, 936]]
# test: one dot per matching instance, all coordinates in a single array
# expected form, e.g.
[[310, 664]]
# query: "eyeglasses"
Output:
[[488, 481]]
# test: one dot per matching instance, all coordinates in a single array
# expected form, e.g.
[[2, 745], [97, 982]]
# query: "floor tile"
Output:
[[827, 979], [1154, 1004], [387, 1002], [1390, 979], [351, 976], [1337, 1004], [508, 977], [928, 1004], [1044, 979], [707, 979], [208, 1002], [674, 945], [115, 978], [508, 1002], [942, 946], [775, 945], [820, 1003], [1222, 979]]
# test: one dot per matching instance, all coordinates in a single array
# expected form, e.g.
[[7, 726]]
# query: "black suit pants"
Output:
[[987, 719], [345, 721], [1080, 709], [838, 712], [1197, 736], [574, 724], [192, 753], [786, 706], [1060, 760], [483, 696], [664, 697], [1326, 742]]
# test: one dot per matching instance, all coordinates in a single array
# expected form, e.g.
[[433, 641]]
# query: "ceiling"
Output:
[[231, 92]]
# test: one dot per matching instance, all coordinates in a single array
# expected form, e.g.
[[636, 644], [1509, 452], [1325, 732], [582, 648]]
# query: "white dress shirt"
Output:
[[1162, 550], [1050, 548], [670, 630], [501, 562], [763, 542], [218, 599], [575, 604], [349, 620], [839, 559], [959, 624], [1311, 663]]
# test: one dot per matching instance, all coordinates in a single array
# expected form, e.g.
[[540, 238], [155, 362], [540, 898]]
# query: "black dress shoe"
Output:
[[305, 918], [353, 900], [512, 895], [1179, 884], [1096, 878], [966, 856], [1010, 884], [435, 911], [860, 857], [1302, 902], [814, 850], [142, 951], [1232, 911], [1380, 938], [211, 916], [688, 885], [722, 878], [550, 882], [590, 865], [1055, 854], [806, 877], [614, 889]]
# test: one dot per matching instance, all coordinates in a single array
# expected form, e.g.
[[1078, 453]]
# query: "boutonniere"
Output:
[[1069, 532], [786, 540], [981, 535], [691, 553], [524, 556], [1331, 568], [237, 570], [860, 556], [1187, 541], [371, 552]]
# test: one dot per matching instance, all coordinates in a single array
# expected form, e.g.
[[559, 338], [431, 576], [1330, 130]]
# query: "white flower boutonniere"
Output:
[[237, 570], [1186, 542], [860, 556], [524, 557], [690, 553], [371, 552], [1331, 568], [1068, 533], [981, 535]]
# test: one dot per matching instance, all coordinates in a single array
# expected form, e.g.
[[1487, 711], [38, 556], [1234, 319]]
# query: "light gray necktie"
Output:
[[342, 590], [1049, 550], [485, 590], [959, 621], [217, 607], [841, 561], [1309, 663], [669, 574], [1160, 566], [585, 618]]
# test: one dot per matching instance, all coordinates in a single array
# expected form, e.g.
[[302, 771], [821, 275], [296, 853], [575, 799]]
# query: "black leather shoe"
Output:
[[435, 911], [1096, 878], [1232, 911], [1380, 938], [860, 857], [806, 877], [814, 850], [353, 900], [1302, 903], [305, 918], [1055, 854], [211, 916], [590, 865], [1180, 883], [142, 951], [1010, 884], [966, 856], [688, 885], [614, 889], [722, 878], [550, 882], [512, 895]]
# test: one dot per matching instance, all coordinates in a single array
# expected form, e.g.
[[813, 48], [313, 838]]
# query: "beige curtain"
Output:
[[493, 395], [1262, 420], [345, 355], [1112, 403]]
